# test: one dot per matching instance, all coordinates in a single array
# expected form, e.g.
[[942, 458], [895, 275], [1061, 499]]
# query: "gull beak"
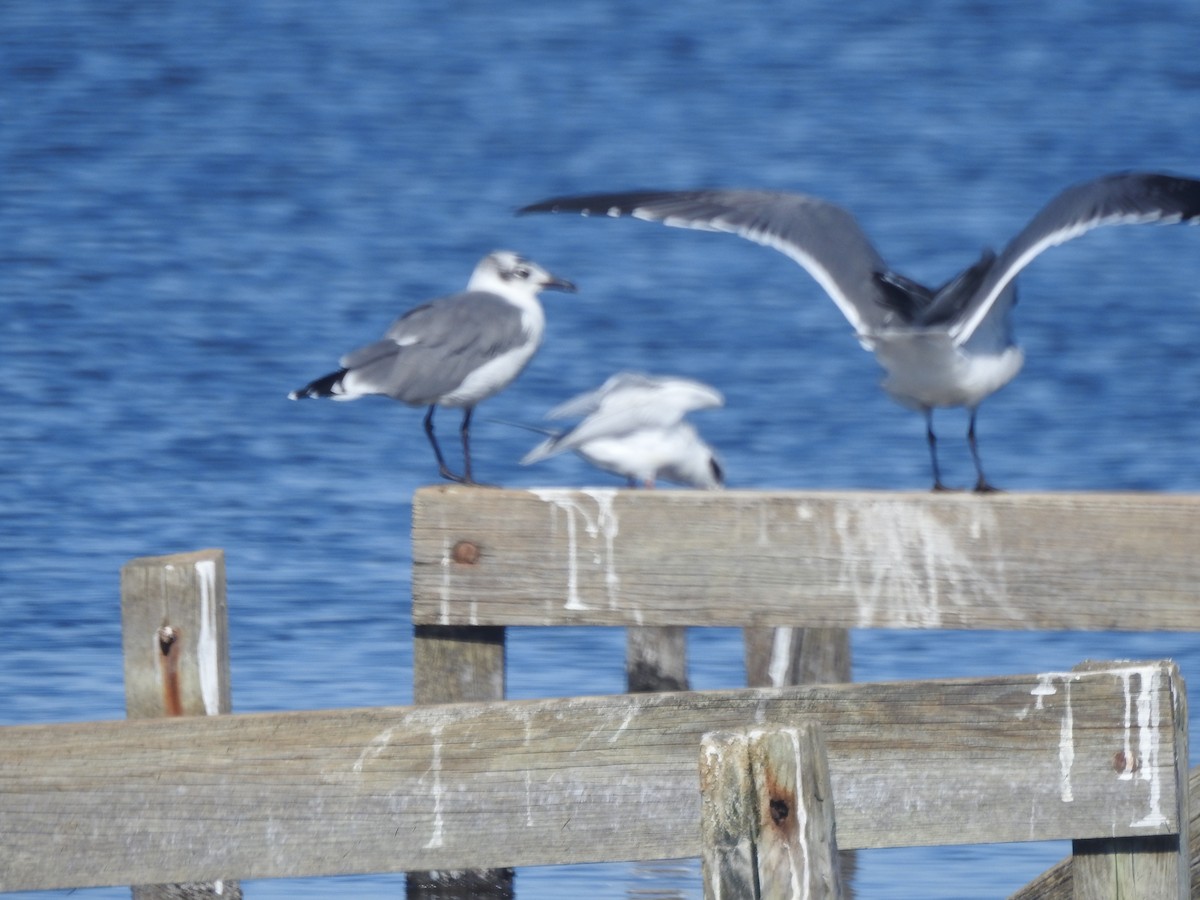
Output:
[[553, 283]]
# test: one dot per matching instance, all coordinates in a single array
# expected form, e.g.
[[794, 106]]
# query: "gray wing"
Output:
[[430, 350], [1125, 198], [823, 238]]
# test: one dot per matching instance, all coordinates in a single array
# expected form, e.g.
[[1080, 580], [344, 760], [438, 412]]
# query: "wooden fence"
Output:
[[834, 560], [590, 779], [1095, 754], [822, 561]]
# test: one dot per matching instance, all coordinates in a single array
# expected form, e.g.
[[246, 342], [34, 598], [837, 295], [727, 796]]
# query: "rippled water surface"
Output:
[[203, 205]]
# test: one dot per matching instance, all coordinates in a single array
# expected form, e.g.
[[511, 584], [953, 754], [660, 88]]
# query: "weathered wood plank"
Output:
[[1059, 882], [767, 819], [797, 845], [656, 659], [175, 634], [1128, 869], [566, 781], [781, 656], [834, 560], [728, 818], [453, 665], [1142, 867]]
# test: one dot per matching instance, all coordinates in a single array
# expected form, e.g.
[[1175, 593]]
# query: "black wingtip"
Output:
[[540, 206], [583, 203], [325, 386], [1181, 195], [612, 204], [1174, 196]]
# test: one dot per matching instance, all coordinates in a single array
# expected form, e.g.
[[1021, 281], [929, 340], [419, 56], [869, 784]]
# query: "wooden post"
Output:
[[454, 665], [728, 817], [656, 658], [777, 657], [1140, 868], [767, 820], [1127, 869], [175, 640], [1057, 882], [457, 665]]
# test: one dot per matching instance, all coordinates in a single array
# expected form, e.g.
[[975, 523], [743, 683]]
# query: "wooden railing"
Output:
[[1095, 754], [1092, 753], [834, 560]]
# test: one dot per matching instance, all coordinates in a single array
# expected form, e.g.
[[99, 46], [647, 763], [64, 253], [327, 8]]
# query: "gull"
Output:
[[454, 351], [634, 427], [947, 347]]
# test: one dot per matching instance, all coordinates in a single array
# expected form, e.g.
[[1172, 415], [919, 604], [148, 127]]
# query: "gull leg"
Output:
[[465, 431], [932, 438], [443, 469], [982, 486]]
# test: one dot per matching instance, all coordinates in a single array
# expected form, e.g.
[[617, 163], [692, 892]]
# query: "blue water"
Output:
[[203, 205]]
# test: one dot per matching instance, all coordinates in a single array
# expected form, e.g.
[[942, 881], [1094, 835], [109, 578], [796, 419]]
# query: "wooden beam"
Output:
[[453, 665], [456, 665], [175, 636], [491, 785], [656, 659], [830, 560], [1150, 867], [776, 657], [728, 818], [767, 816], [784, 656], [1058, 882]]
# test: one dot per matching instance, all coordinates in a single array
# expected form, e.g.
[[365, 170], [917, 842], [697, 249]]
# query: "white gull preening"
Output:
[[948, 347], [634, 426], [455, 351]]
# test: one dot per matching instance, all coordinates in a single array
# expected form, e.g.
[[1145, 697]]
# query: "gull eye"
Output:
[[522, 272]]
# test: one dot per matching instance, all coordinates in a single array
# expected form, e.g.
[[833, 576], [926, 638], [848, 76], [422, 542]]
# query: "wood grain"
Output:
[[175, 636], [767, 815], [811, 559], [185, 593], [492, 785], [452, 665]]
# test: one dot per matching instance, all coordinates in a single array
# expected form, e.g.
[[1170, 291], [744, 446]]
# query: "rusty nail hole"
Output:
[[779, 810], [1126, 763], [465, 553], [167, 636]]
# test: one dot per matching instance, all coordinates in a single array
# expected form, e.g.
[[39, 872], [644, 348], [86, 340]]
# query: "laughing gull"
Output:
[[952, 346], [634, 427], [454, 351]]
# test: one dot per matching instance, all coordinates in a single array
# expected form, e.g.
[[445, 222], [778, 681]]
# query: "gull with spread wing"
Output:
[[945, 347]]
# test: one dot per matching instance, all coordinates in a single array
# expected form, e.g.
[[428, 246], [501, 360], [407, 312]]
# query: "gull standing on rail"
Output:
[[634, 427], [948, 347], [454, 351]]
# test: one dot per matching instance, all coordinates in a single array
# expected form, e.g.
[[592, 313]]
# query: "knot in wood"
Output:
[[465, 553], [167, 636], [1126, 763], [779, 810]]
